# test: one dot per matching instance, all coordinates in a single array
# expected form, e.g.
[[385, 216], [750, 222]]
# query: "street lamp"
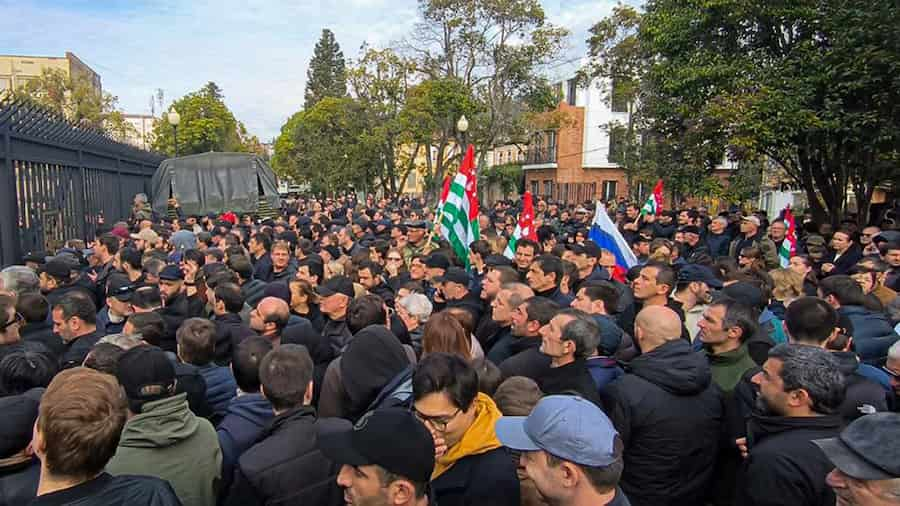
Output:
[[462, 125], [174, 119]]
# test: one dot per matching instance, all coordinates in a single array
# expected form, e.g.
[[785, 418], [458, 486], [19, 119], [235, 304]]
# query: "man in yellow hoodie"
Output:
[[471, 466]]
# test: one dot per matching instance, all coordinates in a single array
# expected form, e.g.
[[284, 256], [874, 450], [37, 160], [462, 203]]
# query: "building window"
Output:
[[609, 190], [534, 187], [573, 88], [548, 188], [619, 102], [5, 83]]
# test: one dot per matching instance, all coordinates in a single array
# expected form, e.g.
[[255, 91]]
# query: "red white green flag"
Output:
[[459, 221], [524, 228], [788, 247], [654, 204]]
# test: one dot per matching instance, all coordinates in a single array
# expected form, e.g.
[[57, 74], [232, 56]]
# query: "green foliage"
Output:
[[206, 125], [79, 102], [326, 76], [507, 176], [810, 85], [327, 146]]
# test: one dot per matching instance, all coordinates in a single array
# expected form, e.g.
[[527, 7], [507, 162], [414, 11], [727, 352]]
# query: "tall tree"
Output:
[[495, 48], [327, 75], [810, 85], [206, 125]]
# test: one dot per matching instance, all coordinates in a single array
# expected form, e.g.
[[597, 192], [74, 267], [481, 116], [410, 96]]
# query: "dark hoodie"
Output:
[[372, 359], [244, 421], [863, 396], [668, 413]]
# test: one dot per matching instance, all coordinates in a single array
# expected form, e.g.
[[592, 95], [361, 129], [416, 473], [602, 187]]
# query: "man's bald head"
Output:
[[274, 310], [655, 326]]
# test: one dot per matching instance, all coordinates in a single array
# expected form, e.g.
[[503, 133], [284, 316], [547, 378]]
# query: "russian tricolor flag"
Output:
[[605, 233]]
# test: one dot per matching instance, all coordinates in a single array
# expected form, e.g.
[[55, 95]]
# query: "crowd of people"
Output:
[[342, 353]]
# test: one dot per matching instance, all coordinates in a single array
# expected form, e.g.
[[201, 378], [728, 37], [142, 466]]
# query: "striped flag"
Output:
[[788, 247], [524, 228], [444, 192], [607, 236], [459, 222], [654, 204]]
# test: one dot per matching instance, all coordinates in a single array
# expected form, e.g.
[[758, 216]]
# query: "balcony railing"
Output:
[[541, 154]]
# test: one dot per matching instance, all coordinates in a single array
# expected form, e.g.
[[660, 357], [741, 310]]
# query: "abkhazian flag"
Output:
[[788, 247], [654, 204], [459, 222], [524, 228], [444, 192]]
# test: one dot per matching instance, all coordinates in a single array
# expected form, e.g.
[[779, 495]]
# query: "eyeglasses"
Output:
[[439, 423], [18, 318], [891, 373]]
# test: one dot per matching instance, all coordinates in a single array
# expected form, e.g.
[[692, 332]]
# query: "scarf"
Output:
[[480, 438]]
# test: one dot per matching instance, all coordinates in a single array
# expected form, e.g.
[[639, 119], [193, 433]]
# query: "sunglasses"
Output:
[[18, 318]]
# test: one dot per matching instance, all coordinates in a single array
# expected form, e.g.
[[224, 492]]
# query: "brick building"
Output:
[[576, 162]]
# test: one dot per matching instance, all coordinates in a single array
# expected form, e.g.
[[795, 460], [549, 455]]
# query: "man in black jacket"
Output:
[[286, 463], [75, 320], [568, 340], [800, 391], [453, 286], [75, 475], [668, 412], [227, 303], [371, 277]]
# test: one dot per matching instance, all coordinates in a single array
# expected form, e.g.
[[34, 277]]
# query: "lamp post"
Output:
[[174, 119], [462, 125]]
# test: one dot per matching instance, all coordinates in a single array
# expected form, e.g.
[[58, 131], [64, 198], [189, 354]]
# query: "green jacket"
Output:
[[167, 441], [727, 368]]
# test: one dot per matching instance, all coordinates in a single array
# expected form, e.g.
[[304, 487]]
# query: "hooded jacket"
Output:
[[166, 440], [872, 333], [230, 331], [247, 416], [669, 413], [253, 291], [784, 467], [862, 396], [220, 388]]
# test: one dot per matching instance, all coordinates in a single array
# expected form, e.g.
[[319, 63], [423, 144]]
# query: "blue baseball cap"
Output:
[[566, 426]]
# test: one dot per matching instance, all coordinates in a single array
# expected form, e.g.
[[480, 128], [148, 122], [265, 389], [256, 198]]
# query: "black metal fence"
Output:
[[57, 179]]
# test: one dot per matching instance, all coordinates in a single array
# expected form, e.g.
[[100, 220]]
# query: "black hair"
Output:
[[481, 247], [25, 369], [230, 295], [315, 265], [150, 326], [196, 255], [373, 267], [738, 314], [79, 305], [264, 239], [528, 243], [364, 311], [844, 288], [448, 373], [241, 265], [110, 242], [246, 361], [131, 257], [33, 307], [551, 264], [541, 309], [605, 291], [104, 357], [810, 320], [284, 374]]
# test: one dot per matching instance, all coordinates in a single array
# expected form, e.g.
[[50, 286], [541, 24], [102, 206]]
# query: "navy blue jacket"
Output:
[[220, 388], [104, 326], [486, 478], [604, 370], [872, 333], [244, 421], [718, 244]]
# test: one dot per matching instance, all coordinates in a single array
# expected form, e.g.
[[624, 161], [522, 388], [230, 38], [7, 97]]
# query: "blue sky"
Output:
[[256, 51]]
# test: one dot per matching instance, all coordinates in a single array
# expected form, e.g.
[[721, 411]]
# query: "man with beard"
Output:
[[526, 250], [692, 294], [800, 391], [507, 300]]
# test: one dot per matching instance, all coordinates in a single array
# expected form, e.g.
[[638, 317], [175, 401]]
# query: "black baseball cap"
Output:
[[497, 261], [690, 229], [454, 275], [746, 293], [38, 257], [146, 374], [58, 268], [119, 286], [391, 438], [694, 272], [437, 261], [171, 273], [337, 284]]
